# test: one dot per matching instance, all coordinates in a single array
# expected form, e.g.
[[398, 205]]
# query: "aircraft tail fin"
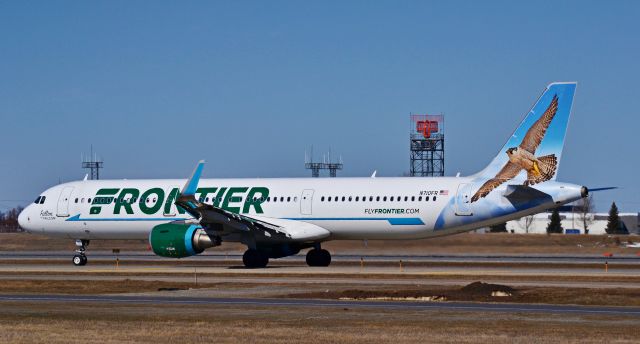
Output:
[[541, 133]]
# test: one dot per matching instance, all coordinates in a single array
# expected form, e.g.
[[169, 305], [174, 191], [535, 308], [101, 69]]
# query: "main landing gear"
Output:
[[80, 258], [318, 257], [254, 259]]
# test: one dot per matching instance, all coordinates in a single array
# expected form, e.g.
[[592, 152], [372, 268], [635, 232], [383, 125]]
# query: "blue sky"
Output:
[[249, 85]]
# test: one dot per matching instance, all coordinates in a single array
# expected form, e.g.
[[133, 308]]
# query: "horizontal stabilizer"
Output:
[[522, 193], [603, 189]]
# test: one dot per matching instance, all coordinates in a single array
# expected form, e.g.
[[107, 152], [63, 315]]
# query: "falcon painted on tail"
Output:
[[539, 169]]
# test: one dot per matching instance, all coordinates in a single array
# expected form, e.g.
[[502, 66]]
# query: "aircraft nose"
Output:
[[23, 218]]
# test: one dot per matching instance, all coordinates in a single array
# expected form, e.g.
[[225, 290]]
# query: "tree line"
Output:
[[585, 214], [9, 220]]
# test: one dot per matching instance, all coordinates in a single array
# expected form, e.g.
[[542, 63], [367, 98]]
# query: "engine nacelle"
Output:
[[179, 240]]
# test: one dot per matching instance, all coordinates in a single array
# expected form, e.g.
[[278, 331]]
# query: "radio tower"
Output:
[[426, 145], [92, 164], [326, 164]]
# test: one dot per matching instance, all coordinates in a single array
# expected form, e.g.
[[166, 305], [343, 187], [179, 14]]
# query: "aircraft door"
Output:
[[306, 200], [63, 201], [463, 200]]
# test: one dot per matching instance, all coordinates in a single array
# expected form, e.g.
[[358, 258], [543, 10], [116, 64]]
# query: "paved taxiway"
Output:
[[454, 306], [254, 287], [457, 258], [519, 271]]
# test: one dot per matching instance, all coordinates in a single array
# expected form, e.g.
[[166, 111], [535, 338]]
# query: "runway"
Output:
[[144, 256], [573, 294], [443, 270], [424, 306]]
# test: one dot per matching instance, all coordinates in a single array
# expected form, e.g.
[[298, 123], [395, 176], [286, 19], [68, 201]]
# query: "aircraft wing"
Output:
[[223, 222]]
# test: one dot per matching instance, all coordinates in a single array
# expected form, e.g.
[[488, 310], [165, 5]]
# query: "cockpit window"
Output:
[[42, 199], [37, 200]]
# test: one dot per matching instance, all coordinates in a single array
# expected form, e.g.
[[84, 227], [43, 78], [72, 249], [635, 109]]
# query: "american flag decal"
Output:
[[444, 192]]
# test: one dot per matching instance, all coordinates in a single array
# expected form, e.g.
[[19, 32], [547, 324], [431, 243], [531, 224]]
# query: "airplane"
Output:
[[279, 217]]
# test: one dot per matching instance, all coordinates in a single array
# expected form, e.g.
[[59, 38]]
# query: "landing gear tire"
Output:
[[254, 259], [79, 260], [318, 257]]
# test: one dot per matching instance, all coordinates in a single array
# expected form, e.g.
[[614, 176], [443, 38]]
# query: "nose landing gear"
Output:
[[80, 259]]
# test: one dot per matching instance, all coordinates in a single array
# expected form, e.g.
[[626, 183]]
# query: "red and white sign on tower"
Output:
[[427, 125]]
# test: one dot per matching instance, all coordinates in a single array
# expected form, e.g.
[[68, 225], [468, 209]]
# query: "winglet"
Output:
[[192, 184]]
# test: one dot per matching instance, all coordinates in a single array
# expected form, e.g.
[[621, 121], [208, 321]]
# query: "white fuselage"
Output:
[[349, 208]]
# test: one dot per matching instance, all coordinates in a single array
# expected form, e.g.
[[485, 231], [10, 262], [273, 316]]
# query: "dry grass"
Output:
[[109, 323], [572, 296], [100, 286]]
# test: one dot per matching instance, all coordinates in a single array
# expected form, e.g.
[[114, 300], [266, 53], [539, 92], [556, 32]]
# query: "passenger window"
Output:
[[413, 198], [370, 198], [322, 199], [76, 200], [89, 200], [349, 198], [384, 199], [357, 198], [434, 198], [281, 198], [419, 198], [406, 198], [426, 198], [377, 198], [295, 199], [288, 199], [391, 199]]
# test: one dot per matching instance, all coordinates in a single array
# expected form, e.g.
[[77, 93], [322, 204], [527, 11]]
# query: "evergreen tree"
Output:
[[555, 226], [613, 222]]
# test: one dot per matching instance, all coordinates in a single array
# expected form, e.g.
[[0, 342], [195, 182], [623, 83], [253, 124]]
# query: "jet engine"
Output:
[[180, 240]]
